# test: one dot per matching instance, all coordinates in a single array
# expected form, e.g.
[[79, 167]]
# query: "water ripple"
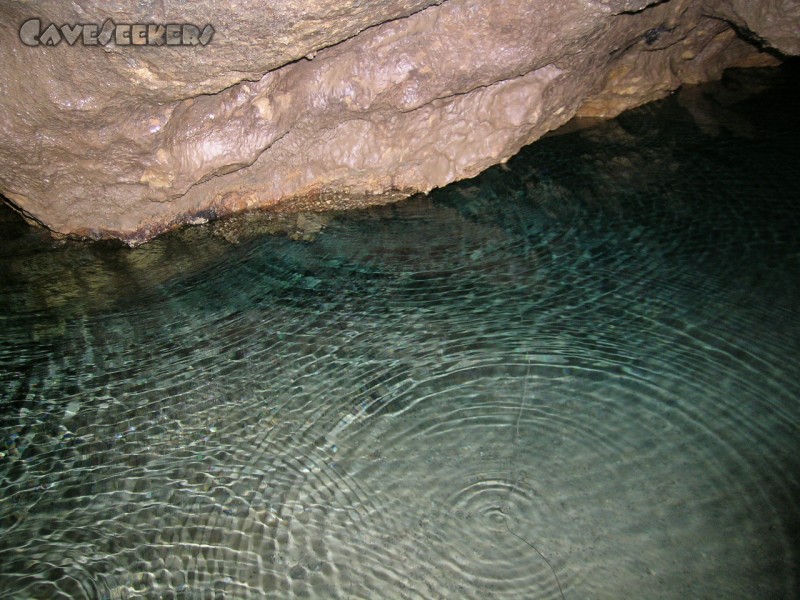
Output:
[[575, 374]]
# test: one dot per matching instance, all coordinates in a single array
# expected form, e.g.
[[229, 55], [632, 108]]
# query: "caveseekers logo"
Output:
[[141, 34]]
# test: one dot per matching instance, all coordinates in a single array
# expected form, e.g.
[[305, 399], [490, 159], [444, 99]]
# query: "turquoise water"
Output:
[[576, 375]]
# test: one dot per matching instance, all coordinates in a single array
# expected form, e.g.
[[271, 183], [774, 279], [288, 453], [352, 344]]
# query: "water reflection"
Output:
[[583, 365]]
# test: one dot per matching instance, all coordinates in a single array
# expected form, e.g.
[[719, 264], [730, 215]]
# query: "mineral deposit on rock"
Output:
[[112, 127]]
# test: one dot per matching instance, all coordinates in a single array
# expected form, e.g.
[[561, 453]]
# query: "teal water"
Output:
[[575, 375]]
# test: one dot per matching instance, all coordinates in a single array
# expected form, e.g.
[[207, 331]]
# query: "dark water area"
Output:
[[576, 375]]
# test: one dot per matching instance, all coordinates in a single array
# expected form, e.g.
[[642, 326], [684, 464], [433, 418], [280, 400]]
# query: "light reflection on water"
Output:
[[591, 353]]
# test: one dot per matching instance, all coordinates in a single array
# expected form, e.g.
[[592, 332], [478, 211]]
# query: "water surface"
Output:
[[576, 374]]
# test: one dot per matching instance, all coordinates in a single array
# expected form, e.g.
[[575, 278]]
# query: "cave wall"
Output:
[[320, 104]]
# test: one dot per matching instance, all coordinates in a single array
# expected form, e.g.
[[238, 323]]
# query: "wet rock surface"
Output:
[[319, 105]]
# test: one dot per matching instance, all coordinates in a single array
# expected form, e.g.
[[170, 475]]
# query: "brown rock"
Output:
[[316, 104]]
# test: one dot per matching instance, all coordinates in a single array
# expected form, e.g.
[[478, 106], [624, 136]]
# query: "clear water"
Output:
[[579, 370]]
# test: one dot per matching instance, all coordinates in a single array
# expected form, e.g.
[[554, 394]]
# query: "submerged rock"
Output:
[[314, 105]]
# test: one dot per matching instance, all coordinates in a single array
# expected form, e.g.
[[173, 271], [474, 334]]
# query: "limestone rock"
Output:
[[318, 104]]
